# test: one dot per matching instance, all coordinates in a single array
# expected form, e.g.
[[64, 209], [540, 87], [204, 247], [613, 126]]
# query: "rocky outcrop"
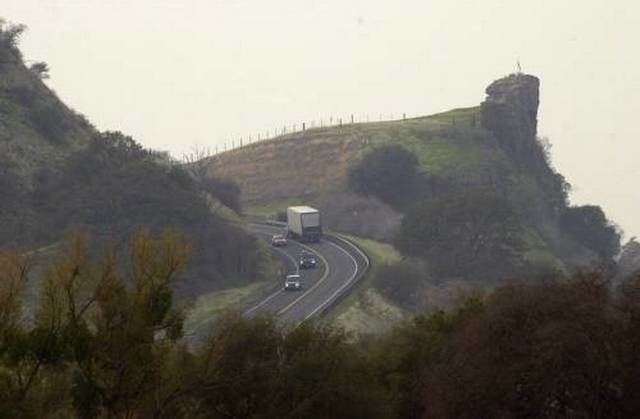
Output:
[[510, 112]]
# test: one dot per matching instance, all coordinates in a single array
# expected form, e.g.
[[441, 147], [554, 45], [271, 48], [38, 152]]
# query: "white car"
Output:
[[292, 283]]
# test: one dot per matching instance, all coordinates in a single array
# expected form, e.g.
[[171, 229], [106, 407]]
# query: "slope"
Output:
[[492, 147], [60, 176]]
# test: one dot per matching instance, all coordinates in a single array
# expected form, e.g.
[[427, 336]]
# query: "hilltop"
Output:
[[36, 128]]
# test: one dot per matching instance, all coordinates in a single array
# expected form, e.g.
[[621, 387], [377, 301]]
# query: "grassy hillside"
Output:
[[492, 148], [36, 128], [309, 163], [59, 176]]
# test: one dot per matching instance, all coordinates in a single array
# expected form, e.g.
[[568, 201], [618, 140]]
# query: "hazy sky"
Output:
[[178, 73]]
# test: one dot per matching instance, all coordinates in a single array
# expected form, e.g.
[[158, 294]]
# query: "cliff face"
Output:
[[510, 112]]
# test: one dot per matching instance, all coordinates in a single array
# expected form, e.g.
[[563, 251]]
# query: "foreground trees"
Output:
[[105, 339]]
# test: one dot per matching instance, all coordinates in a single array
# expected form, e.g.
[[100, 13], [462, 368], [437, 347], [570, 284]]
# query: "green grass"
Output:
[[538, 254], [365, 311], [446, 144], [207, 308], [379, 252], [269, 210]]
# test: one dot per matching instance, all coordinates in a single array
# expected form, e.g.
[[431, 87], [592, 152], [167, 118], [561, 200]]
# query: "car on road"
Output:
[[292, 283], [307, 260], [278, 240]]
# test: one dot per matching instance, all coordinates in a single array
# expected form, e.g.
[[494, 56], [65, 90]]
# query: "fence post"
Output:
[[340, 122], [304, 126]]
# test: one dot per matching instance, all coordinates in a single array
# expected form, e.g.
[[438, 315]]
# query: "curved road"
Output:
[[340, 266]]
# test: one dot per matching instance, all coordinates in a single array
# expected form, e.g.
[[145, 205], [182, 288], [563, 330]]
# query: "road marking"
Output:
[[339, 290], [263, 302], [320, 281], [297, 267], [270, 297], [316, 285]]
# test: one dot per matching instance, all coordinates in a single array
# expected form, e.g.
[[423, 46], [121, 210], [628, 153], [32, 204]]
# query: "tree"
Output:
[[552, 349], [100, 334], [472, 235], [40, 70], [589, 226], [389, 173], [9, 38], [255, 369]]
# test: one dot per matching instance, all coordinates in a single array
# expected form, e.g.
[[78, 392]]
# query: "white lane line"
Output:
[[354, 247], [272, 296], [263, 302], [339, 290], [313, 287]]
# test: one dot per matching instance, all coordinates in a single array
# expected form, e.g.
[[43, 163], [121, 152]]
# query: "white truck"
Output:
[[303, 224]]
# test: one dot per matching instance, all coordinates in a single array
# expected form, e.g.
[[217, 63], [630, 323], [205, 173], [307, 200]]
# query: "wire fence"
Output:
[[288, 130], [298, 129]]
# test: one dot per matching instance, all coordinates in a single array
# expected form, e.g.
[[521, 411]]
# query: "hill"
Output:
[[491, 149], [61, 176]]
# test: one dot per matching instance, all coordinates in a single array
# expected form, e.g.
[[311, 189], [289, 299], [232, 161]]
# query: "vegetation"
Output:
[[389, 173], [58, 175], [463, 235], [107, 341], [589, 226], [114, 187], [9, 38]]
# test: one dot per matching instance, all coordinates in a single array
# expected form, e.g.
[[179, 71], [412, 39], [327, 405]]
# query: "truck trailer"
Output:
[[303, 224]]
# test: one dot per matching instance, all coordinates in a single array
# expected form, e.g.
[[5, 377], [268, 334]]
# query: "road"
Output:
[[340, 266]]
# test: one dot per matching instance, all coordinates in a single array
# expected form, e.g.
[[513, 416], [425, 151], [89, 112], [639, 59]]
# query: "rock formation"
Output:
[[510, 112]]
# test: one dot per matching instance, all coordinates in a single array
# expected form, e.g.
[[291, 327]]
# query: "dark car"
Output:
[[292, 283], [278, 240], [307, 260]]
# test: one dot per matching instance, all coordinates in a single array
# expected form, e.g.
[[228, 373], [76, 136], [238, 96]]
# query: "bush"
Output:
[[589, 226], [114, 187], [402, 283], [389, 173], [50, 120], [473, 235]]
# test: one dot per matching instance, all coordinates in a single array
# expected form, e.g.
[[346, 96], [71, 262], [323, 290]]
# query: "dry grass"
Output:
[[308, 164]]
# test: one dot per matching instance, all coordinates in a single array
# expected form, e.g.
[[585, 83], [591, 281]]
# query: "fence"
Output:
[[290, 129]]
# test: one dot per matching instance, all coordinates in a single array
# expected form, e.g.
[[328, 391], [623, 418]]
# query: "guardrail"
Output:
[[349, 286]]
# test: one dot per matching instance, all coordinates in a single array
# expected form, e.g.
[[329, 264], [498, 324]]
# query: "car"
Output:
[[307, 260], [278, 240], [292, 283]]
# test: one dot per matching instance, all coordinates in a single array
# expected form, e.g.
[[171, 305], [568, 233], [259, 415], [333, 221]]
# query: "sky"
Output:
[[181, 75]]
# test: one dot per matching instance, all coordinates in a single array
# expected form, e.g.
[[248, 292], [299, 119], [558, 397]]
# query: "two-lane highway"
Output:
[[340, 264]]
